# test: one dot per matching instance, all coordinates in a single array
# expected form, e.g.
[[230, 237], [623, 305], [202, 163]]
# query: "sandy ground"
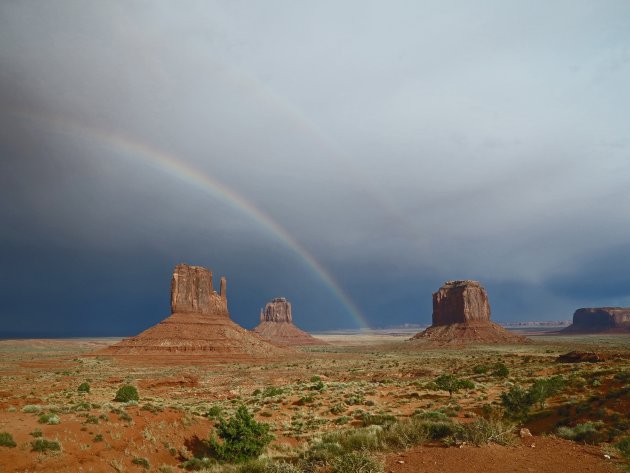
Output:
[[378, 374]]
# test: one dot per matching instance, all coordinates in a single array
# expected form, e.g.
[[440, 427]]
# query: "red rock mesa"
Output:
[[600, 320], [461, 314], [199, 325]]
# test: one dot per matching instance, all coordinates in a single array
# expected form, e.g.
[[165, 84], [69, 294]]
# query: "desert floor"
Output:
[[355, 381]]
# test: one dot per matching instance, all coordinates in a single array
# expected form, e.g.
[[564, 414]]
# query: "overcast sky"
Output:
[[308, 150]]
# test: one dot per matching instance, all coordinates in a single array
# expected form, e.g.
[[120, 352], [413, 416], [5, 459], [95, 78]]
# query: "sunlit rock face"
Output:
[[600, 319], [461, 314], [192, 291], [199, 328], [460, 302]]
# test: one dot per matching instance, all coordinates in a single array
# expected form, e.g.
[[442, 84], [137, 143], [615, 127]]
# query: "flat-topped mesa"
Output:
[[278, 310], [192, 292], [461, 314], [462, 301], [600, 319]]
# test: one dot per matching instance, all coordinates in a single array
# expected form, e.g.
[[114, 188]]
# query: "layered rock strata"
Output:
[[199, 325], [600, 320], [276, 325], [461, 314]]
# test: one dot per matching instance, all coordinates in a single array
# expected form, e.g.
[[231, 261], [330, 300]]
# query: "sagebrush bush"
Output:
[[624, 447], [356, 462], [242, 438], [587, 432], [6, 440], [50, 419], [127, 393], [43, 445]]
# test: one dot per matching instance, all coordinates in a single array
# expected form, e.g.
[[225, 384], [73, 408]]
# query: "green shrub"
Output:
[[127, 393], [43, 445], [545, 388], [143, 462], [501, 370], [480, 369], [6, 440], [448, 382], [268, 467], [484, 431], [587, 432], [517, 403], [37, 433], [196, 464], [98, 438], [242, 437], [50, 419], [624, 447], [83, 388], [356, 462], [272, 391], [214, 412]]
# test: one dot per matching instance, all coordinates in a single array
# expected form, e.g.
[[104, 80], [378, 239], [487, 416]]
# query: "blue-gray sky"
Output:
[[390, 145]]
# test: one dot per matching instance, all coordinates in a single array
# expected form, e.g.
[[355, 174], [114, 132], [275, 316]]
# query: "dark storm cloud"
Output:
[[400, 144]]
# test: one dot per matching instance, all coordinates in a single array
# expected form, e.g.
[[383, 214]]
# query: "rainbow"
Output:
[[170, 164]]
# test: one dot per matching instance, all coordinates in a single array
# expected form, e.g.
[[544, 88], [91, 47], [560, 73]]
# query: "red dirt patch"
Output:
[[549, 455]]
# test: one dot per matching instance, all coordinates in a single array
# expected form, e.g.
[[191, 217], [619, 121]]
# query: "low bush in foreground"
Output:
[[587, 432], [6, 440], [356, 462], [242, 438], [83, 388], [127, 393], [43, 445]]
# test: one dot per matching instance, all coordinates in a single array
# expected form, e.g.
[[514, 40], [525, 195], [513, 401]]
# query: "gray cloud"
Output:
[[401, 144]]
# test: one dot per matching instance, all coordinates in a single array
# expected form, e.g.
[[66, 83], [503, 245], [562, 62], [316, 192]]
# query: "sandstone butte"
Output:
[[199, 327], [461, 314], [276, 325], [600, 320]]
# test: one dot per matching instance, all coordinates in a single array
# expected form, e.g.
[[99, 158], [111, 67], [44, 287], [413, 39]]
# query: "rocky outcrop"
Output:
[[461, 314], [199, 327], [278, 310], [600, 320], [460, 302], [276, 325]]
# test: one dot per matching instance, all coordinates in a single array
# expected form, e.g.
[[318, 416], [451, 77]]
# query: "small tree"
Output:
[[448, 382], [127, 393], [242, 438], [517, 402]]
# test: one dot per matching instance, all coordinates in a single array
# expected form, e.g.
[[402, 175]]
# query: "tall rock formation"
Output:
[[461, 314], [199, 328], [600, 320], [276, 325]]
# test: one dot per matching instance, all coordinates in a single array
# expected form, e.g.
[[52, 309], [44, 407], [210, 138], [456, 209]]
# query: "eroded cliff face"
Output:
[[460, 302], [278, 310], [199, 329], [192, 292], [600, 319], [276, 325]]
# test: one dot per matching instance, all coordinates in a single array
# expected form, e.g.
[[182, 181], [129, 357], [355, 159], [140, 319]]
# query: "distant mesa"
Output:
[[199, 324], [461, 314], [600, 320], [276, 325]]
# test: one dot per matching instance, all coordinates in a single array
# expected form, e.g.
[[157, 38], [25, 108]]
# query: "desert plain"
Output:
[[358, 392]]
